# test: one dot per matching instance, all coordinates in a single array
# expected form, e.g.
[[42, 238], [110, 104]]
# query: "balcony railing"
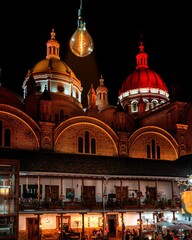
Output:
[[130, 203]]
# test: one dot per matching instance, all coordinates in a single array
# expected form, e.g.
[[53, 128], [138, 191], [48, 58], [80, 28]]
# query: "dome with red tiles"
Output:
[[143, 82], [143, 78]]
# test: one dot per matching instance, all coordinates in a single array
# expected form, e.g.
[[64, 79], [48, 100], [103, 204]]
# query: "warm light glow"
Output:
[[81, 43], [4, 190], [144, 90], [134, 91], [47, 220], [190, 179], [187, 202]]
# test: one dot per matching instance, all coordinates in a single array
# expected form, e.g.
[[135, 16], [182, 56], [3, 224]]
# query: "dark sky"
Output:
[[115, 27]]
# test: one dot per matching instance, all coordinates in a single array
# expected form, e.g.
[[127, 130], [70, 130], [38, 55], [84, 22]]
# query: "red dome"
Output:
[[143, 78]]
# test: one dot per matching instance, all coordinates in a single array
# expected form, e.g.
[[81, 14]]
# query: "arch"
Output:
[[22, 128], [66, 136], [155, 139]]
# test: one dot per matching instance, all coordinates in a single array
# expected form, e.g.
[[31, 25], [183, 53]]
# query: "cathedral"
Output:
[[65, 166]]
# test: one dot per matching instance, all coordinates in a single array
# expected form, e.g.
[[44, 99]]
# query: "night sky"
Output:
[[115, 27]]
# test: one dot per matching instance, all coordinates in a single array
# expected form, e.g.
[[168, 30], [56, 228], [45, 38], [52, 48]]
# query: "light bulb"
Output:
[[81, 43]]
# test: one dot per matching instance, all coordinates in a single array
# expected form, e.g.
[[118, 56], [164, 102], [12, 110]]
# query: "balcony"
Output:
[[128, 204]]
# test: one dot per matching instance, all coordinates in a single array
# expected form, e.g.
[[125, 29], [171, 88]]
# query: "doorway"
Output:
[[32, 228], [112, 223], [65, 224]]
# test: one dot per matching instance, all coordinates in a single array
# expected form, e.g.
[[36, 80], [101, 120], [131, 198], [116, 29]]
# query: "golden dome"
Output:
[[52, 66]]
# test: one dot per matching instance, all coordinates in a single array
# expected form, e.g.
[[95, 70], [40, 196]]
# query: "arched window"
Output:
[[77, 95], [61, 115], [80, 145], [148, 151], [93, 146], [134, 106], [56, 119], [54, 50], [158, 152], [86, 143], [153, 150], [154, 103], [146, 104], [5, 136]]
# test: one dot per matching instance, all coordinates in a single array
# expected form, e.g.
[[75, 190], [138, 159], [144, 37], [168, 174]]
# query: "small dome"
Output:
[[101, 87]]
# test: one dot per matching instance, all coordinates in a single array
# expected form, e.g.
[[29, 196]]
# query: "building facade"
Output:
[[99, 166]]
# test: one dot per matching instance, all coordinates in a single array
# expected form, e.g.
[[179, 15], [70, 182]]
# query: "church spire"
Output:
[[53, 47], [142, 57], [91, 97], [102, 95]]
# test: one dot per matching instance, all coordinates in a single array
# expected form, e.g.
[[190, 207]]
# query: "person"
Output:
[[94, 232], [128, 234], [107, 230], [168, 236], [134, 232], [176, 237], [62, 198]]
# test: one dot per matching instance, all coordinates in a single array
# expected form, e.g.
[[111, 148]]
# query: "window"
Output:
[[153, 150], [151, 193], [5, 135], [70, 193], [77, 94], [155, 103], [134, 106], [7, 140], [121, 193], [80, 144], [146, 104], [89, 193], [93, 144], [86, 143], [31, 191], [56, 119], [60, 117], [52, 192]]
